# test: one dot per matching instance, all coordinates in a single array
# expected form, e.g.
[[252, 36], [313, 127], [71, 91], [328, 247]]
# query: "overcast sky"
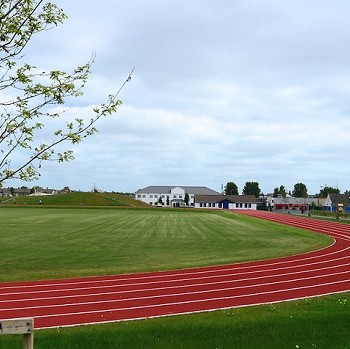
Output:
[[225, 90]]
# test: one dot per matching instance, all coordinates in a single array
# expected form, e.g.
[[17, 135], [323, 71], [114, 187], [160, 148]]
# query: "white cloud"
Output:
[[222, 91]]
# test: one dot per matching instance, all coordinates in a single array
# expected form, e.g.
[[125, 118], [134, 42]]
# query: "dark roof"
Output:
[[152, 189], [45, 191], [15, 190], [230, 198], [340, 198]]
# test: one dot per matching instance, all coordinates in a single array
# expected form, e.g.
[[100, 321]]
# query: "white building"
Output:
[[171, 196]]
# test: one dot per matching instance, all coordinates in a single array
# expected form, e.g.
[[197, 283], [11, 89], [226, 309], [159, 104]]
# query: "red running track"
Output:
[[91, 300]]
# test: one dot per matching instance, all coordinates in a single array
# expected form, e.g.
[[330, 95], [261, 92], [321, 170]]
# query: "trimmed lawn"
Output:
[[43, 243]]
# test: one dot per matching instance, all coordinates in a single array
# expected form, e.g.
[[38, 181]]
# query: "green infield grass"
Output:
[[43, 243], [320, 323]]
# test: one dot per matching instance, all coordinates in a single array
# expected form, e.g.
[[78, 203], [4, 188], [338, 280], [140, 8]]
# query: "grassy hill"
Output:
[[76, 199]]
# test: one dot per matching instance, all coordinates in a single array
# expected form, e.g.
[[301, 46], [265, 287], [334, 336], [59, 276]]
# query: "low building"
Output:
[[14, 192], [17, 192], [230, 202], [337, 203], [293, 203], [172, 196], [38, 191]]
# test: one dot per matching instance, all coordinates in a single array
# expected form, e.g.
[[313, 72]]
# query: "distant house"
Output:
[[171, 196], [65, 190], [38, 191], [335, 202], [240, 202], [14, 192]]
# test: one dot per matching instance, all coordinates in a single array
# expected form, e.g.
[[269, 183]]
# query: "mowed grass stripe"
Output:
[[43, 243]]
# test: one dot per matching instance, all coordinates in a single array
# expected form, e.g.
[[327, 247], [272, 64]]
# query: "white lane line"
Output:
[[199, 300], [84, 295], [333, 229], [104, 321], [3, 294], [179, 294]]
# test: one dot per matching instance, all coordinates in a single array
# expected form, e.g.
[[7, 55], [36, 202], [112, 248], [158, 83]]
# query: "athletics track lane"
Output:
[[72, 302]]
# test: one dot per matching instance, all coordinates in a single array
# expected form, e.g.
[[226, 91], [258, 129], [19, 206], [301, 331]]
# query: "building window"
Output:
[[143, 195], [139, 196]]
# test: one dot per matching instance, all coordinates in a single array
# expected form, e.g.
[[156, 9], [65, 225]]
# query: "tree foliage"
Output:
[[279, 191], [252, 188], [231, 189], [187, 199], [328, 190], [300, 190], [28, 95]]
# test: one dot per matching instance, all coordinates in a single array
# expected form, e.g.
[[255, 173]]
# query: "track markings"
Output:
[[135, 296]]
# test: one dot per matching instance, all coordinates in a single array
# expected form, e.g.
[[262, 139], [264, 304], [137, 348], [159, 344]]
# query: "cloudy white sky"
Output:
[[225, 90]]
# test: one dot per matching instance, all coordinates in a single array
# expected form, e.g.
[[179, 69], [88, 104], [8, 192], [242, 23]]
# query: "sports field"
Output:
[[49, 243], [46, 243]]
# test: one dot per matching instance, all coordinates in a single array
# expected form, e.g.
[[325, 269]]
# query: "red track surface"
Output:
[[123, 297]]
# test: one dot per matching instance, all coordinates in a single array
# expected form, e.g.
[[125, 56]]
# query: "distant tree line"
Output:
[[250, 188], [299, 190]]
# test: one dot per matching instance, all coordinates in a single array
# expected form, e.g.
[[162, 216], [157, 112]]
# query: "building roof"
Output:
[[22, 191], [165, 189], [231, 198], [340, 198]]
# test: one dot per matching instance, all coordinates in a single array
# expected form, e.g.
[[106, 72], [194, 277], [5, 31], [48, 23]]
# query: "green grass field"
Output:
[[61, 242], [75, 199], [45, 242]]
